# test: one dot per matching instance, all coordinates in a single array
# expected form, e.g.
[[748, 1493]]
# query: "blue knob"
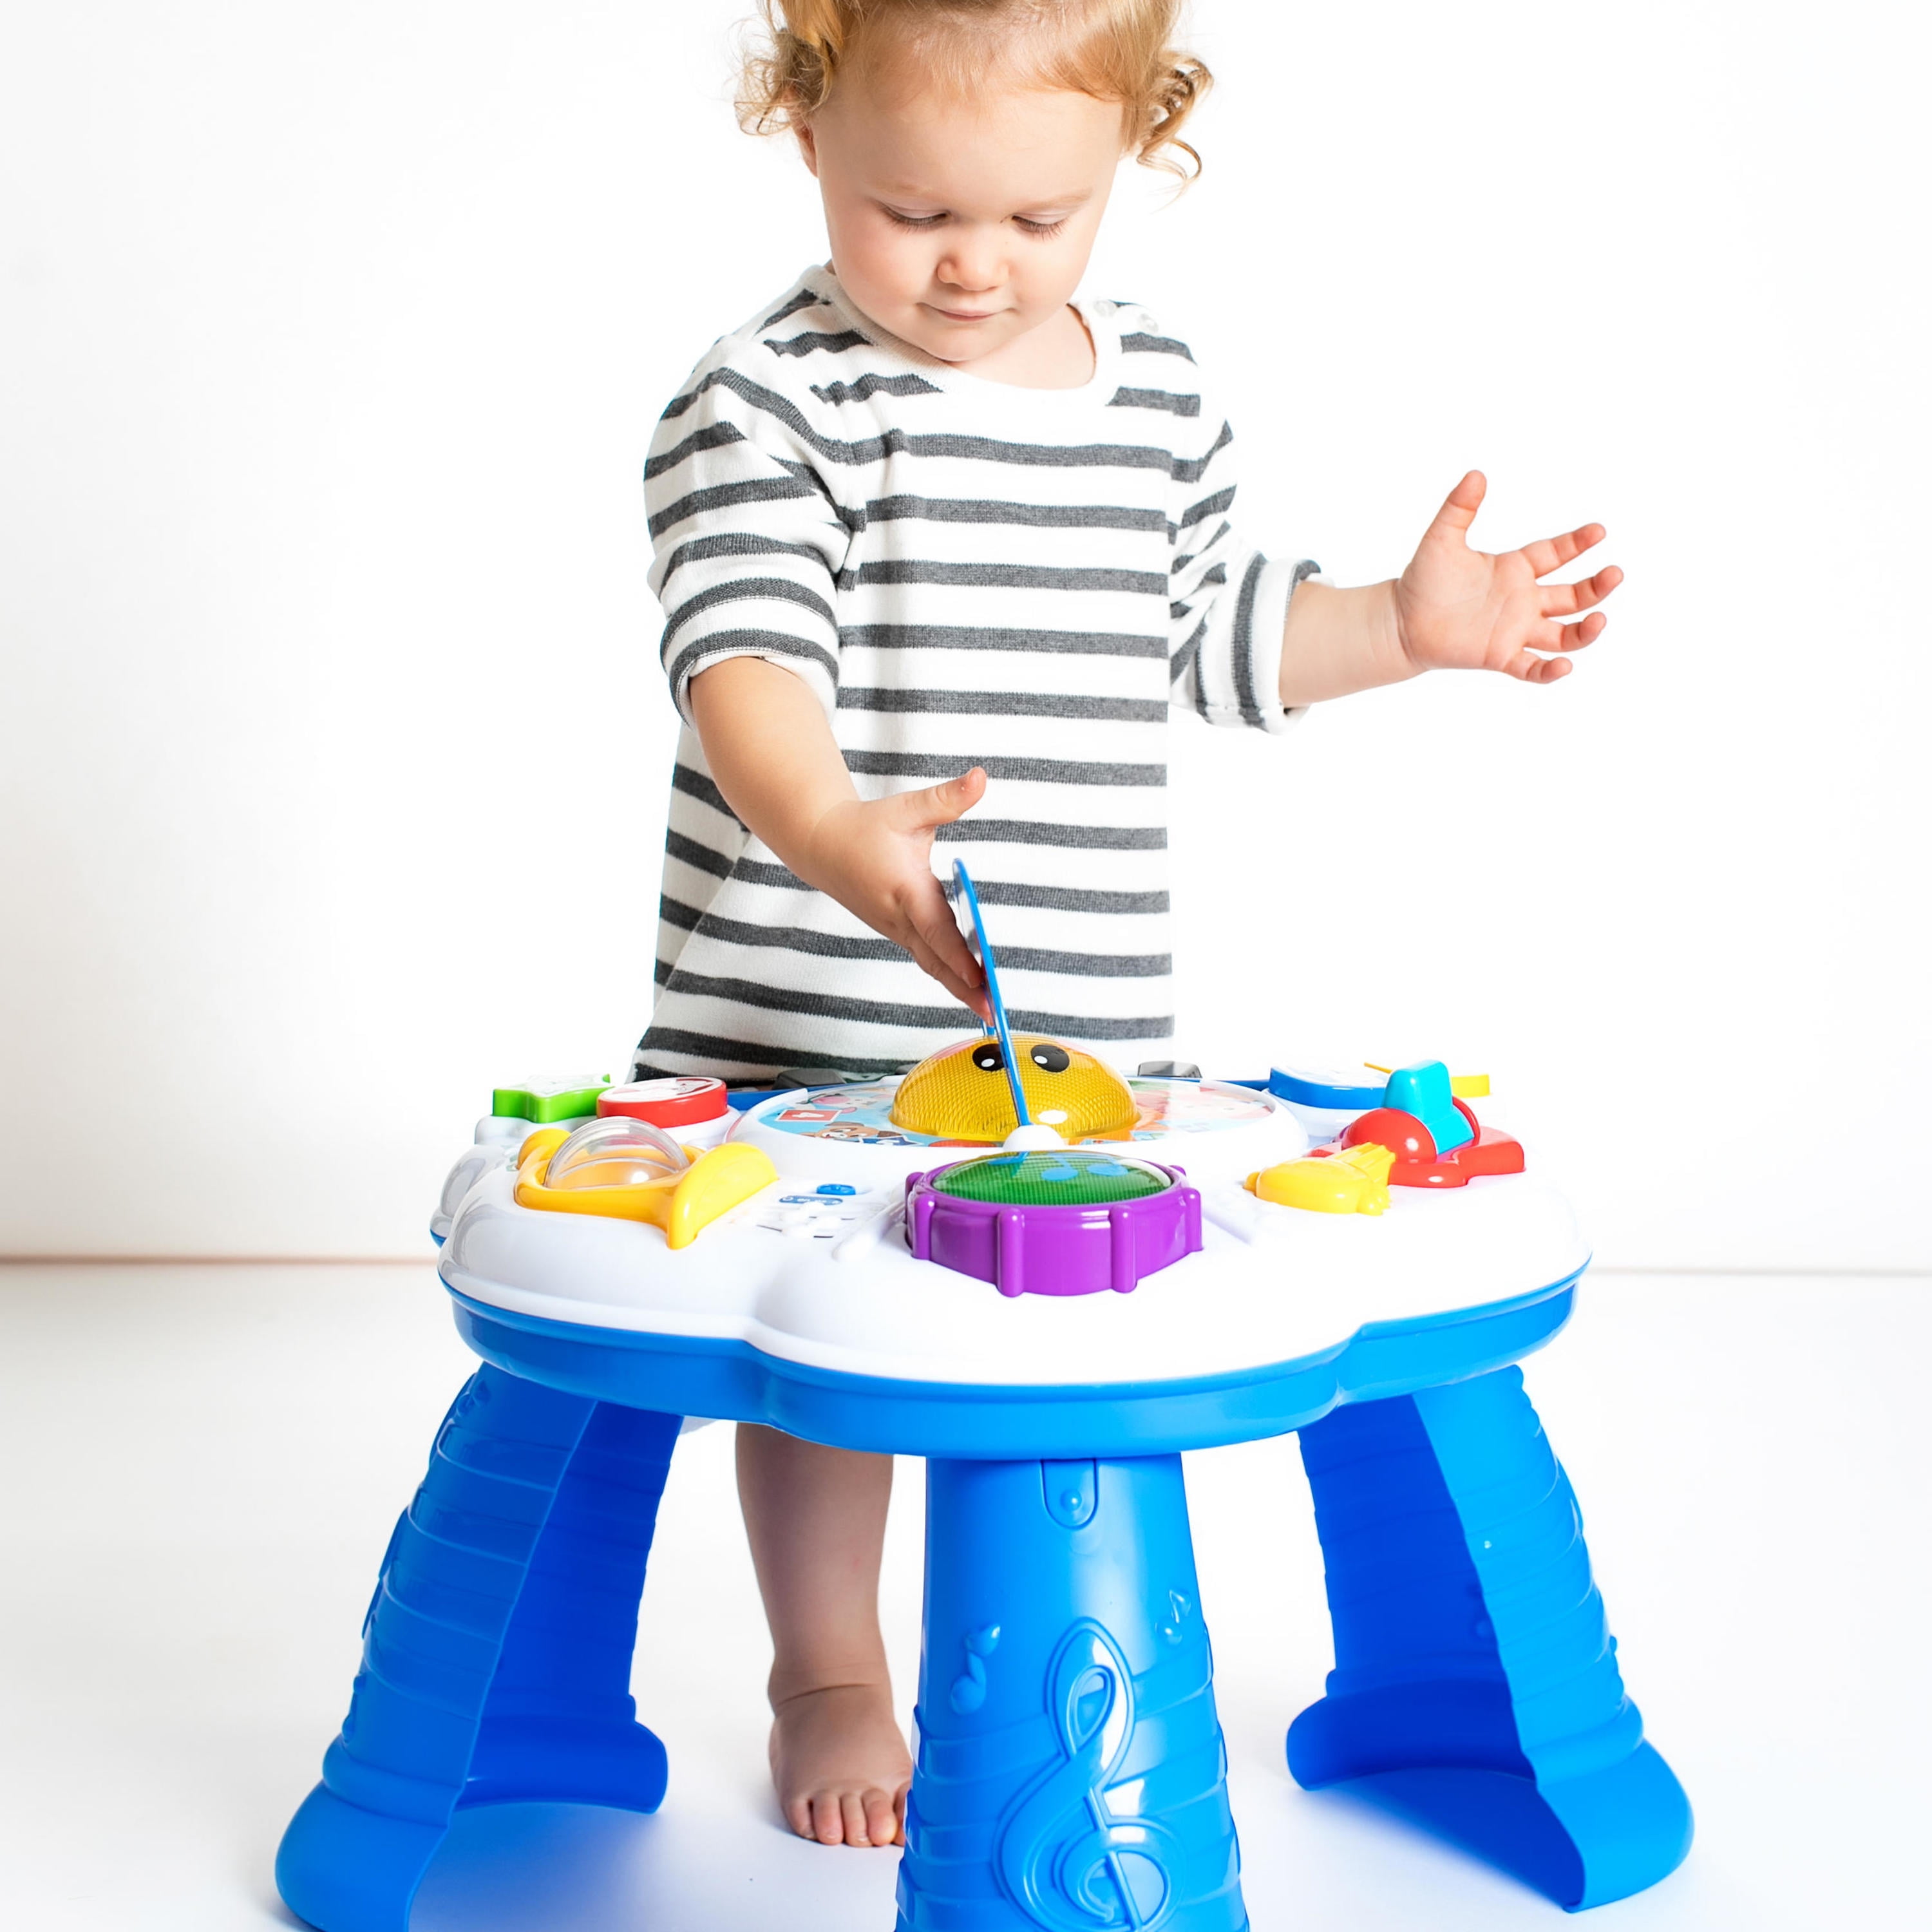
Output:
[[1424, 1091]]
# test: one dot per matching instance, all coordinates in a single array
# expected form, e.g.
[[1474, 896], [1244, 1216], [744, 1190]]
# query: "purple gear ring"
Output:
[[1054, 1250]]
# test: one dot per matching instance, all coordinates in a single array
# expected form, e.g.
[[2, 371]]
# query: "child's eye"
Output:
[[1041, 228], [913, 221]]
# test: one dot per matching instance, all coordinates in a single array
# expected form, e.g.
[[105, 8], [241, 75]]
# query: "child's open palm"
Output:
[[1460, 609]]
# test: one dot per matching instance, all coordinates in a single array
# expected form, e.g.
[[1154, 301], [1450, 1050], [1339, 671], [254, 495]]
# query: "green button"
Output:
[[543, 1101]]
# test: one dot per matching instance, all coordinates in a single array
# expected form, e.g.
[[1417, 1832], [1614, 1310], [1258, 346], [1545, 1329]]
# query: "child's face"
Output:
[[960, 225]]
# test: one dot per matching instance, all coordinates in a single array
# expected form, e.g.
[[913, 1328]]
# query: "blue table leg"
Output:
[[1470, 1637], [1071, 1773], [496, 1652]]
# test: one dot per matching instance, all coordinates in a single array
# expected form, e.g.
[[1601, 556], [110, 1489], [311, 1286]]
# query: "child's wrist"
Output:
[[826, 837], [1392, 645], [1338, 641]]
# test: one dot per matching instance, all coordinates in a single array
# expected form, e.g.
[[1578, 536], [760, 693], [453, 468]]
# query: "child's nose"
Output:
[[974, 265]]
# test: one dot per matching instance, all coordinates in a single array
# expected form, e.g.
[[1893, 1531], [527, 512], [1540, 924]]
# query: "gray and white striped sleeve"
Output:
[[1228, 603], [746, 542]]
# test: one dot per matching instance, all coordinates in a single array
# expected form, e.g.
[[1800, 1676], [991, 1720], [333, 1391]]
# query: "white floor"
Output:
[[203, 1464]]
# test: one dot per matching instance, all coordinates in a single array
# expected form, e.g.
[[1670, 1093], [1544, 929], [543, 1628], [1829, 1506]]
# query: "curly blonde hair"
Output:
[[1111, 49]]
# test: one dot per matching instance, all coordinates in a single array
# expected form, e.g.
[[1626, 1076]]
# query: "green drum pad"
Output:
[[1071, 1179]]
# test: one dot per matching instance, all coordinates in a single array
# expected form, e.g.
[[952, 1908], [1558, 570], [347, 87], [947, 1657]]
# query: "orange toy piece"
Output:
[[1416, 1163], [960, 1092]]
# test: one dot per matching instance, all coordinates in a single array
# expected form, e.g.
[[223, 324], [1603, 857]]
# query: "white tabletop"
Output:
[[828, 1281]]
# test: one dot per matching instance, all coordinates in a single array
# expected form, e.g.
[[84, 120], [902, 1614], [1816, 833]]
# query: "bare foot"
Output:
[[840, 1765]]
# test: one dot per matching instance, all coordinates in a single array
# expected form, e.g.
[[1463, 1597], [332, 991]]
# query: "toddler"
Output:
[[941, 546]]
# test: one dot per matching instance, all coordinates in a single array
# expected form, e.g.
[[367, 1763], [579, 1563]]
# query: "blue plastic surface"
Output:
[[1470, 1644], [1307, 1091], [974, 928], [734, 1381], [1071, 1774], [496, 1650]]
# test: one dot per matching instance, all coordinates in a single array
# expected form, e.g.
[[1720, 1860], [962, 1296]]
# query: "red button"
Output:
[[665, 1103]]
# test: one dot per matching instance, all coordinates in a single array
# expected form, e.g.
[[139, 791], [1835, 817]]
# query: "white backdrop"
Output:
[[334, 749]]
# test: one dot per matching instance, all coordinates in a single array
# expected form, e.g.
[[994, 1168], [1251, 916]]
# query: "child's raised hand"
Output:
[[1460, 609], [875, 857]]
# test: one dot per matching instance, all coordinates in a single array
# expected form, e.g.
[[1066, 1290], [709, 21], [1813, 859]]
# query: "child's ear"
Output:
[[808, 146]]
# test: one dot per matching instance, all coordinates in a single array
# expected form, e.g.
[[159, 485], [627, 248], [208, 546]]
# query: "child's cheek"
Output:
[[903, 264]]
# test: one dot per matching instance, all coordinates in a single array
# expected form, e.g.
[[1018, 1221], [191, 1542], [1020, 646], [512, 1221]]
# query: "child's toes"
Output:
[[852, 1815], [828, 1819], [882, 1818]]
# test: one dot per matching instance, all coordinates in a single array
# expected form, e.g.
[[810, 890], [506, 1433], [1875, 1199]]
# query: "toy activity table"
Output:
[[1070, 1772]]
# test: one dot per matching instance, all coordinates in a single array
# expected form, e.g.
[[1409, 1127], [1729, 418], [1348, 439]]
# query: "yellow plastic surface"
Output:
[[946, 1094], [540, 1146], [1355, 1182], [1463, 1086], [683, 1204]]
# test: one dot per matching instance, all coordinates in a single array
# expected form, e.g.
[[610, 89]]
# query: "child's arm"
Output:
[[1452, 609], [772, 755]]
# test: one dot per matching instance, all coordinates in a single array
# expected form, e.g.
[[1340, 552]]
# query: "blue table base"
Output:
[[496, 1650], [1470, 1638], [1071, 1774]]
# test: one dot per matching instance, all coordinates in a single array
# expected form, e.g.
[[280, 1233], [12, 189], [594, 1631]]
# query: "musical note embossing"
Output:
[[969, 1688], [1064, 1857]]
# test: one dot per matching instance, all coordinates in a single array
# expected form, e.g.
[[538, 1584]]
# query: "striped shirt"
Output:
[[964, 573]]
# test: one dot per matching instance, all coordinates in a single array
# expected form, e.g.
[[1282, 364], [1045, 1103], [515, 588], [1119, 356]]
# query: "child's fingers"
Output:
[[1561, 600], [1574, 637], [972, 996], [933, 921], [1533, 669], [1460, 507], [1553, 553], [937, 805], [940, 949]]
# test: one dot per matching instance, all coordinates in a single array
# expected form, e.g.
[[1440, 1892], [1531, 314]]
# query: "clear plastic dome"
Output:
[[615, 1152]]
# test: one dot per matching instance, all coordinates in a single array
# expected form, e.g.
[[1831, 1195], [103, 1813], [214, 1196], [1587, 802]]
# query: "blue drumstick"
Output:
[[974, 928]]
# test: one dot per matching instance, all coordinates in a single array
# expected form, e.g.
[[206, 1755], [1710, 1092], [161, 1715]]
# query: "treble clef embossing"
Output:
[[1065, 1858]]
